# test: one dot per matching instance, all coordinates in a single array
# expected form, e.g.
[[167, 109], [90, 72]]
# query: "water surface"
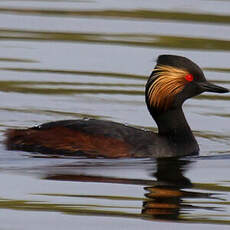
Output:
[[77, 59]]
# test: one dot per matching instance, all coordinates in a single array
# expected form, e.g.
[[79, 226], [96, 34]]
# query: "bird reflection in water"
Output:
[[165, 197]]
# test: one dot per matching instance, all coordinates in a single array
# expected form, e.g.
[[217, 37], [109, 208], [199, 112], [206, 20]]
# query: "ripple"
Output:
[[142, 40], [125, 14]]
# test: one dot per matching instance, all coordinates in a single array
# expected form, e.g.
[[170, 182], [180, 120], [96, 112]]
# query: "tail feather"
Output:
[[15, 138]]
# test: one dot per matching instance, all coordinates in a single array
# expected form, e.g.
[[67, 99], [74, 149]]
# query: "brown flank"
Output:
[[66, 141]]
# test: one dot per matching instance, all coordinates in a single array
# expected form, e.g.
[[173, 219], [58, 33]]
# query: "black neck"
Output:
[[173, 126], [172, 122]]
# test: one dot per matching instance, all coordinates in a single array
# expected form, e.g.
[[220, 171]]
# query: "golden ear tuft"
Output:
[[169, 82]]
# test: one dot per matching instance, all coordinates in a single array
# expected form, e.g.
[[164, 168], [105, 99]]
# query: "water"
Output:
[[77, 59]]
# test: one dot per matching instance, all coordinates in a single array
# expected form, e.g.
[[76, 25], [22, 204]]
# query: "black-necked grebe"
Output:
[[173, 80]]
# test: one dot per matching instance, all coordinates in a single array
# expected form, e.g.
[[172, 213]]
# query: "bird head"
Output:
[[175, 79]]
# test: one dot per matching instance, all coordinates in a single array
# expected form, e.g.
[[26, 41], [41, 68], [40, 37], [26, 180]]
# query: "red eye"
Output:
[[189, 77]]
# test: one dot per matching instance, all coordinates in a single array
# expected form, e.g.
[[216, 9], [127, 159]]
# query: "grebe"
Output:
[[173, 80]]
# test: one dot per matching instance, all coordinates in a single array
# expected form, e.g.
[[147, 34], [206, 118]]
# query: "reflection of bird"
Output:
[[173, 80], [166, 198]]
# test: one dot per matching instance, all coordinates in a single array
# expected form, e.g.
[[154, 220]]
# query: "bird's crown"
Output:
[[169, 78]]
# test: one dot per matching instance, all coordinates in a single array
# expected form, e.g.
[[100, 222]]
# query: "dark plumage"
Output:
[[173, 80]]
